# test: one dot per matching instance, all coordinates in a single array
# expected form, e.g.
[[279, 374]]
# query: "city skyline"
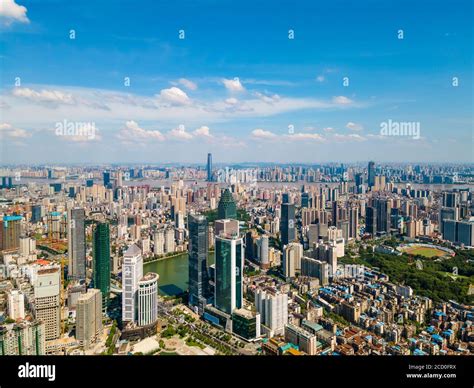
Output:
[[318, 83], [226, 181]]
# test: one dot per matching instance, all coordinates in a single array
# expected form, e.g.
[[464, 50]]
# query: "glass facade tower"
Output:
[[198, 251], [229, 262], [101, 263]]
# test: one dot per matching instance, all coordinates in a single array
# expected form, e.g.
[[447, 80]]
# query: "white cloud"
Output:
[[304, 136], [132, 133], [11, 12], [262, 134], [268, 82], [202, 131], [350, 137], [320, 78], [10, 131], [268, 99], [354, 127], [187, 84], [31, 107], [174, 96], [179, 133], [328, 129], [44, 96], [342, 100], [233, 85], [231, 101], [268, 135]]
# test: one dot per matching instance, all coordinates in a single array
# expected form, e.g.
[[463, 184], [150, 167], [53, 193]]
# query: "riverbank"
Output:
[[177, 254], [173, 273]]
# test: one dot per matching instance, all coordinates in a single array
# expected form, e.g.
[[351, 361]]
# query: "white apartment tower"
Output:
[[89, 317], [169, 240], [16, 305], [132, 272], [273, 308], [148, 299], [292, 254], [47, 300], [159, 242]]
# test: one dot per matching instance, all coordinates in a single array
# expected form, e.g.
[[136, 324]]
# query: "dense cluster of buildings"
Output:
[[73, 252]]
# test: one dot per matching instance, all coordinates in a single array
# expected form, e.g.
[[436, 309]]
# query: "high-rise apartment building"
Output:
[[47, 285], [148, 299], [159, 242], [89, 317], [292, 254], [170, 243], [76, 244], [273, 308], [132, 272], [25, 338], [10, 231], [16, 305]]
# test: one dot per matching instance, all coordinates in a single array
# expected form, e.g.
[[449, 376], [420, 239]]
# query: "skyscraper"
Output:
[[229, 263], [16, 305], [292, 254], [450, 199], [10, 230], [209, 167], [335, 213], [465, 232], [101, 263], [132, 272], [89, 317], [35, 213], [447, 213], [159, 242], [371, 174], [47, 304], [76, 244], [262, 251], [148, 299], [273, 308], [353, 222], [169, 243], [371, 220], [305, 200], [384, 207], [198, 251], [227, 207], [106, 176], [287, 222]]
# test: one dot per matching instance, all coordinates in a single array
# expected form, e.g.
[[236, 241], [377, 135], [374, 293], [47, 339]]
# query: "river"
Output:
[[173, 273]]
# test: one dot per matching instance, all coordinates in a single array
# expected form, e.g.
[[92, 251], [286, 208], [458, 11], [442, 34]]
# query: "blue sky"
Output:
[[236, 85]]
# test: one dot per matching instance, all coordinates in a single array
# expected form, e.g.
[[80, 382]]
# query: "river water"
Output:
[[173, 273]]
